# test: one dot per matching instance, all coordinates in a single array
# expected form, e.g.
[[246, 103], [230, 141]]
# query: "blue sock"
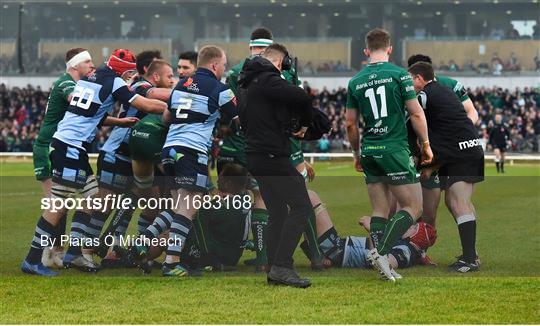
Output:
[[43, 233], [162, 223], [179, 231], [78, 231]]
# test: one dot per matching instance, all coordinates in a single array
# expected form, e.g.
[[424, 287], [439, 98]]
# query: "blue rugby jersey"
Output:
[[196, 104], [118, 141], [92, 100]]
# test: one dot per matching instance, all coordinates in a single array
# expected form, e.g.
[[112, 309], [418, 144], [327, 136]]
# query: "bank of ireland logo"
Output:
[[372, 76]]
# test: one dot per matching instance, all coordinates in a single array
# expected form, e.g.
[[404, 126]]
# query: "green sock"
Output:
[[377, 225], [310, 235], [395, 228], [259, 222]]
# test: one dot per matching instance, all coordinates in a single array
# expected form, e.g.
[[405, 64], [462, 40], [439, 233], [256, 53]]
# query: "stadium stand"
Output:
[[22, 111]]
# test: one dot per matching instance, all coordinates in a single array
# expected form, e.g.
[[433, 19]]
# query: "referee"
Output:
[[457, 153], [267, 103], [498, 139]]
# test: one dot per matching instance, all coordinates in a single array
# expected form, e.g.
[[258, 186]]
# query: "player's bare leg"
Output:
[[431, 199], [497, 153], [458, 200]]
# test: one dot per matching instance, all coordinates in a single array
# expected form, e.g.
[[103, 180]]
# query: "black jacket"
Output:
[[267, 103]]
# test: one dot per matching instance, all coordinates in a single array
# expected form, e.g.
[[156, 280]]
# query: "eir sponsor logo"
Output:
[[469, 143]]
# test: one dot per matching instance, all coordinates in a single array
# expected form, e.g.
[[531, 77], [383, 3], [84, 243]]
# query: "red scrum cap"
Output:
[[121, 61], [424, 237]]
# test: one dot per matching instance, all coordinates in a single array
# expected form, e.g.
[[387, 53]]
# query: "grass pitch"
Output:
[[505, 290]]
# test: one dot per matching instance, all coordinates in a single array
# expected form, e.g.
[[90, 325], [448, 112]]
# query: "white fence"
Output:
[[511, 158]]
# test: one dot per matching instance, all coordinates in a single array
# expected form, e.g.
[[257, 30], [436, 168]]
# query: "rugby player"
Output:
[[431, 191], [379, 94], [78, 64], [195, 105], [458, 155], [116, 175], [120, 221], [498, 139], [187, 64], [351, 251], [92, 100]]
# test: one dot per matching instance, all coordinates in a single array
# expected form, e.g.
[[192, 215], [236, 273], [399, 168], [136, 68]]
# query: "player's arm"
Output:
[[419, 124], [470, 110], [121, 122], [167, 117], [67, 87], [162, 94], [351, 125], [227, 106], [122, 93]]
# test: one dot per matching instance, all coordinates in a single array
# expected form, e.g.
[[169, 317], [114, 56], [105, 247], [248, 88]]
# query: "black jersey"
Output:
[[498, 135], [452, 134]]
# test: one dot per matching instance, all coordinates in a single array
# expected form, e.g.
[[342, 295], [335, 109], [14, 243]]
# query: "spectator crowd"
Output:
[[22, 111]]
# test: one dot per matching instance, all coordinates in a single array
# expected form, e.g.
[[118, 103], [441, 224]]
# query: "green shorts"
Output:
[[433, 181], [395, 168], [147, 146], [42, 163]]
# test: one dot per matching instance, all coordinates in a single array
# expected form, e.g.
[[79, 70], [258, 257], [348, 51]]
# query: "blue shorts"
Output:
[[113, 172], [355, 252], [185, 168], [69, 164]]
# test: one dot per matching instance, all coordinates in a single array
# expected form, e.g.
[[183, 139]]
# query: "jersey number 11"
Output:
[[370, 93]]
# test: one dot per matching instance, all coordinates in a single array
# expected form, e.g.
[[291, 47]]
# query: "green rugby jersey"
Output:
[[225, 229], [454, 85], [379, 93], [234, 145], [57, 105]]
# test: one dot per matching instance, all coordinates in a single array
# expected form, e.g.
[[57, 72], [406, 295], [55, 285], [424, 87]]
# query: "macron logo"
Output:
[[469, 143]]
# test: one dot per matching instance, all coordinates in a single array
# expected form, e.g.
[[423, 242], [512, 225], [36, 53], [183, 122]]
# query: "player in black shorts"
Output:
[[498, 138], [457, 153]]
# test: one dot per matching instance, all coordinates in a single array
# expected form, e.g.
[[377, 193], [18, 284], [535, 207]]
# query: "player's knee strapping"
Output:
[[394, 230], [161, 224], [180, 228], [259, 223], [144, 182]]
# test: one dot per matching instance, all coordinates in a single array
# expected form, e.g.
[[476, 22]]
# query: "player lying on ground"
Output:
[[351, 251]]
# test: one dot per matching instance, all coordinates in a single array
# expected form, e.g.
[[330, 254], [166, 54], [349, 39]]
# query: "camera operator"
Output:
[[268, 104]]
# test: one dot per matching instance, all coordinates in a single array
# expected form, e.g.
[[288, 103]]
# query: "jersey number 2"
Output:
[[82, 97], [370, 93], [184, 104]]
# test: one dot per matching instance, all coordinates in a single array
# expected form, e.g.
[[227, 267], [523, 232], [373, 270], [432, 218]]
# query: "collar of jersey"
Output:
[[206, 72]]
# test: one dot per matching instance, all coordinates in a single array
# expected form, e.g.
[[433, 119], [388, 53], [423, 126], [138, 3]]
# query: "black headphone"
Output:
[[287, 62]]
